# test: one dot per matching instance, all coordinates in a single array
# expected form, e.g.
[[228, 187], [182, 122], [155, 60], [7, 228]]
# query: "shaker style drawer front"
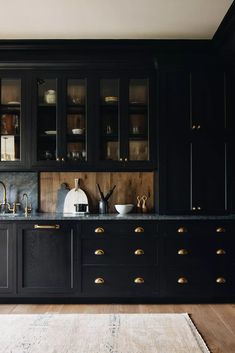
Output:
[[119, 251], [197, 227], [124, 281], [185, 249], [119, 227]]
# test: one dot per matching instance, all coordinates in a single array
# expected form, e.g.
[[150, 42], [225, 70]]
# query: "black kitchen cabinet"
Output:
[[47, 255], [13, 120], [193, 149], [7, 259]]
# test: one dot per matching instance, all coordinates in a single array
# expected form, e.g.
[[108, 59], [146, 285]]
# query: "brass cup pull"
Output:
[[182, 252], [99, 230], [125, 159], [139, 230], [120, 159], [139, 280], [198, 127], [220, 280], [182, 280], [45, 226], [220, 230], [62, 159], [139, 252], [220, 252], [182, 230], [99, 280], [99, 252]]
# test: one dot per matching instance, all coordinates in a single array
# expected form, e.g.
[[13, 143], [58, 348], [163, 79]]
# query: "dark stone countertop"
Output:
[[112, 216]]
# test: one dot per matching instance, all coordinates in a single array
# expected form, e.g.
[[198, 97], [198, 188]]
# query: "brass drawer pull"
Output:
[[182, 252], [99, 230], [42, 226], [182, 280], [139, 230], [220, 230], [220, 252], [139, 280], [99, 252], [182, 230], [220, 280], [99, 280], [139, 252]]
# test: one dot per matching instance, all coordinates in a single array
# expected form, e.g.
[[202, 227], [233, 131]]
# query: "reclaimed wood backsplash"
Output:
[[129, 185]]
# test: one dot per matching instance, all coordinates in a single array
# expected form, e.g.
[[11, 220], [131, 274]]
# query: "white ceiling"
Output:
[[109, 19]]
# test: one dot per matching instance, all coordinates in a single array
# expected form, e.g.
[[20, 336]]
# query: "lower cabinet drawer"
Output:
[[119, 251], [116, 281]]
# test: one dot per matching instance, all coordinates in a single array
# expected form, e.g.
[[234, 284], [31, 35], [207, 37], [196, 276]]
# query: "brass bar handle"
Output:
[[99, 280], [182, 252], [46, 226], [220, 230], [139, 230], [99, 252], [182, 280], [139, 252], [99, 230], [220, 280], [139, 280], [182, 230], [220, 252]]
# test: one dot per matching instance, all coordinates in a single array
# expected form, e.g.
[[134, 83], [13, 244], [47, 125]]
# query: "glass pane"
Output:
[[109, 119], [138, 120], [76, 120], [47, 119], [10, 118]]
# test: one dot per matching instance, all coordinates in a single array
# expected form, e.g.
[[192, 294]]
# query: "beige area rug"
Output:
[[99, 333]]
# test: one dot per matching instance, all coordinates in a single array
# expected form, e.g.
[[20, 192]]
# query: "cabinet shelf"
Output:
[[76, 108], [76, 137], [138, 137]]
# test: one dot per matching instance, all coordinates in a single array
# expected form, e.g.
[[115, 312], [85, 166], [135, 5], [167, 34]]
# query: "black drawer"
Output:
[[197, 227], [122, 280], [119, 251], [119, 227]]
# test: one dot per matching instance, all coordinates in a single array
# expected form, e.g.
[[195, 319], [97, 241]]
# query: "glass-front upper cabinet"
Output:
[[138, 111], [76, 121], [47, 119], [124, 120], [11, 117]]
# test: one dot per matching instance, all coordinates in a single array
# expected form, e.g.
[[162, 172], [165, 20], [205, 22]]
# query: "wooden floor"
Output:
[[215, 322]]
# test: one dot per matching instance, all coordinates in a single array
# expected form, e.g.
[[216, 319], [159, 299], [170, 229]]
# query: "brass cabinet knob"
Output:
[[126, 159], [139, 252], [199, 208], [99, 230], [99, 252], [139, 230], [182, 280], [220, 252], [57, 159], [194, 208], [182, 252], [220, 280], [198, 127], [99, 280], [193, 127], [62, 159], [220, 230], [139, 280], [120, 159], [182, 230]]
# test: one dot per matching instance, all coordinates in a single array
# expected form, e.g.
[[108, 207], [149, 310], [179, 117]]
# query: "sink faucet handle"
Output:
[[14, 207]]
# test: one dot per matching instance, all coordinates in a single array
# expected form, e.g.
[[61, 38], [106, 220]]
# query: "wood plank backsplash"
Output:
[[129, 185]]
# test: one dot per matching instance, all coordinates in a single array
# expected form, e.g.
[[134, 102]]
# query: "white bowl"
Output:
[[77, 131], [123, 209]]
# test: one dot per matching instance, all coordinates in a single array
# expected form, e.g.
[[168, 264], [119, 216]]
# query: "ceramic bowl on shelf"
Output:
[[77, 131], [124, 209]]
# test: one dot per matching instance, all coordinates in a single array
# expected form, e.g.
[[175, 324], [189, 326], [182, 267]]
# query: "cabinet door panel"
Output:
[[231, 176], [208, 176], [46, 260], [6, 258]]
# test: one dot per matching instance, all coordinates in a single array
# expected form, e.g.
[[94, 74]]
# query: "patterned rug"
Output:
[[99, 333]]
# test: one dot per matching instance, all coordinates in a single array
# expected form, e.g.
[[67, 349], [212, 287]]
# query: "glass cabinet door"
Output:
[[109, 120], [76, 120], [47, 129], [10, 116], [138, 113]]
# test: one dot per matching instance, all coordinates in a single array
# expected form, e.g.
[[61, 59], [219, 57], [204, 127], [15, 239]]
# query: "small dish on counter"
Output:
[[111, 99], [124, 209], [77, 131]]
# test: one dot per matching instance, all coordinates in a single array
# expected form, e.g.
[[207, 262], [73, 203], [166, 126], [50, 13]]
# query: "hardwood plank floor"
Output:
[[215, 322]]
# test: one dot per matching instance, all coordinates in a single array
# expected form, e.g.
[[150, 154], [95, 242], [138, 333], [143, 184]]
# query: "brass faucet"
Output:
[[4, 201], [26, 209]]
